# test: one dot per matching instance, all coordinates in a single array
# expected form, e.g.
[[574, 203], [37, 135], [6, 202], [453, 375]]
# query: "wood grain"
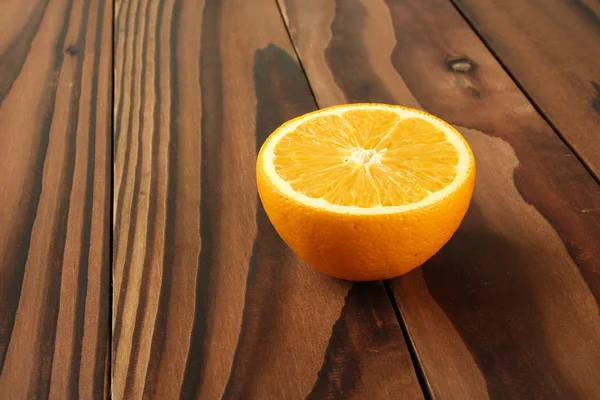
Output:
[[509, 308], [552, 49], [208, 301], [55, 105]]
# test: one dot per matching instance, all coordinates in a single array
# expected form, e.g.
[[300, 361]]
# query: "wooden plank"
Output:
[[208, 301], [552, 48], [509, 308], [55, 105]]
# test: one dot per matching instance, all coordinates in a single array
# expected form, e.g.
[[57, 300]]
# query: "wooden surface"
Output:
[[509, 308], [208, 301], [55, 133], [552, 49]]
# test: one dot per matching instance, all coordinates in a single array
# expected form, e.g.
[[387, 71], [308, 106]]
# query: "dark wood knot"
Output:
[[460, 65], [72, 50]]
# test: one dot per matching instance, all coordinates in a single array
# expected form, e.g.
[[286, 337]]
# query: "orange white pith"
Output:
[[365, 191]]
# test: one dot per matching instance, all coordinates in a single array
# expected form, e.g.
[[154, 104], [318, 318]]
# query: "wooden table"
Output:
[[128, 136]]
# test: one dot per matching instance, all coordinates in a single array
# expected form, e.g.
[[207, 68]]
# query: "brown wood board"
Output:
[[55, 129], [509, 307], [552, 48], [208, 301]]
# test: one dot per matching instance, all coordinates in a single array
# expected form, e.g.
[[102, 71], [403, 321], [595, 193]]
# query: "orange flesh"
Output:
[[366, 158]]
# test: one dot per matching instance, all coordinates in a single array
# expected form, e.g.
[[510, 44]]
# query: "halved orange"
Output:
[[365, 191]]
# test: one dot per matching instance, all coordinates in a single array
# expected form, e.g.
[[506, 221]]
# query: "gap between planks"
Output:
[[112, 204]]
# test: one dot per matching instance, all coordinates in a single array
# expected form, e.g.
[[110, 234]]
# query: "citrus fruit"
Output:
[[365, 191]]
